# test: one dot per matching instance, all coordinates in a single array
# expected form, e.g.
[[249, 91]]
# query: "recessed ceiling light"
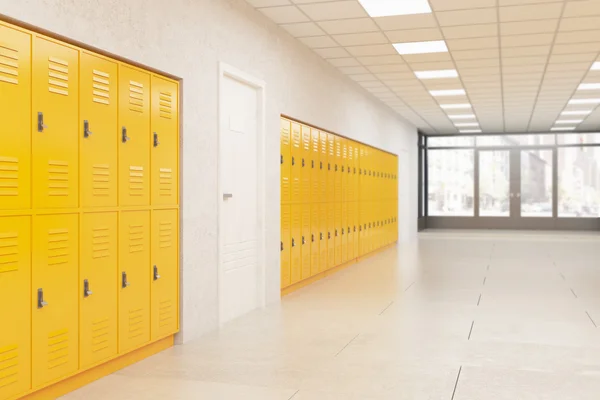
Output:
[[455, 106], [462, 116], [577, 112], [466, 124], [443, 73], [589, 86], [436, 46], [444, 93], [470, 131], [569, 121], [596, 66], [584, 101], [385, 8], [563, 128]]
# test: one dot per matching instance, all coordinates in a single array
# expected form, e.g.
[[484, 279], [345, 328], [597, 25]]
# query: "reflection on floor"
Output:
[[458, 315]]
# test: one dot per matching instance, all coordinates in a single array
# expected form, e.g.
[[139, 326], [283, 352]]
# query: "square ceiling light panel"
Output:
[[569, 121], [466, 124], [462, 116], [435, 46], [387, 8], [596, 66], [589, 86], [455, 106], [580, 112], [445, 93], [440, 74], [584, 101], [563, 128]]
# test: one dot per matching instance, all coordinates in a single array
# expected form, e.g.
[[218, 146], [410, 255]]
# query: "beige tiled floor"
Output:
[[508, 310]]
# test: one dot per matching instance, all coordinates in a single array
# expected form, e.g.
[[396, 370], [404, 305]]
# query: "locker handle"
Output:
[[124, 136], [336, 233], [328, 235], [281, 246], [86, 129], [124, 282], [156, 276], [313, 163], [281, 157], [156, 142], [303, 163], [86, 288], [335, 167], [41, 125], [293, 242], [312, 237], [342, 231], [41, 302], [320, 235], [293, 161], [329, 167], [303, 241], [321, 163]]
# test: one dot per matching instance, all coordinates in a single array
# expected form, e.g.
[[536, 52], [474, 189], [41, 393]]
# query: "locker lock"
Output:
[[313, 163], [329, 167], [41, 125], [86, 129], [41, 302], [320, 235], [312, 237], [293, 161], [336, 233], [281, 246], [293, 242], [124, 137], [328, 235], [303, 163], [321, 164], [155, 275], [86, 288], [281, 162], [303, 241], [156, 142], [124, 283]]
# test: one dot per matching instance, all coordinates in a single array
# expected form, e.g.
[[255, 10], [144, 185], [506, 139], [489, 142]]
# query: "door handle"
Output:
[[86, 288], [156, 275], [41, 302], [227, 196], [156, 142], [124, 282], [86, 129], [124, 136], [41, 125]]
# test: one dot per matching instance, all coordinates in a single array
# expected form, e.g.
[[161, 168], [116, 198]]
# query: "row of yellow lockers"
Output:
[[82, 130], [320, 167], [319, 236], [79, 289]]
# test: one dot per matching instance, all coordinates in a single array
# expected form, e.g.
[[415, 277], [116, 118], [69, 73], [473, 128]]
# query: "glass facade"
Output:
[[451, 182]]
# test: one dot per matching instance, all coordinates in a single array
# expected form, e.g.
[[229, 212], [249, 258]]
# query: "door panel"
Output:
[[306, 165], [344, 225], [296, 167], [285, 161], [338, 170], [15, 130], [54, 297], [315, 177], [323, 240], [344, 170], [98, 131], [286, 241], [15, 275], [134, 279], [306, 243], [55, 141], [97, 289], [338, 233], [164, 179], [134, 137], [351, 232], [164, 294], [330, 235], [314, 239], [331, 160], [296, 267], [323, 162]]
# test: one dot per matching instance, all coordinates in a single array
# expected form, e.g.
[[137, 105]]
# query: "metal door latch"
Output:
[[156, 275], [86, 129], [156, 142], [124, 136], [86, 288], [41, 125], [41, 302], [124, 282]]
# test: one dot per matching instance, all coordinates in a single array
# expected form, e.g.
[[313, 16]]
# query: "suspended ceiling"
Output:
[[521, 63]]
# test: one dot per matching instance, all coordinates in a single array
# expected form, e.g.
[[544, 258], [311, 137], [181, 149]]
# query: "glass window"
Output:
[[579, 138], [451, 182], [494, 183], [579, 182], [536, 183], [533, 140], [451, 141], [483, 141]]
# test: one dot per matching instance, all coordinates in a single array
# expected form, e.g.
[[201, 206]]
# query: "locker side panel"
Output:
[[306, 241], [285, 246], [314, 239], [285, 161], [97, 289], [296, 250], [15, 129], [15, 313]]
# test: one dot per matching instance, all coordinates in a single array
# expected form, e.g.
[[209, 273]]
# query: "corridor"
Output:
[[470, 315]]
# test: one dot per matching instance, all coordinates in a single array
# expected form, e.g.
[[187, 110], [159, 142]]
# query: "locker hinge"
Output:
[[155, 273], [124, 282], [156, 142], [41, 302], [86, 129], [86, 288], [124, 137], [41, 125]]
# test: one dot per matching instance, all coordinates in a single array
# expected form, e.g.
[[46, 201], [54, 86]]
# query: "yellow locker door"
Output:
[[98, 127], [330, 235], [323, 162], [344, 231], [15, 129], [349, 172], [134, 279], [338, 170], [344, 170], [55, 141], [306, 165], [285, 245], [305, 241], [315, 171], [15, 313], [54, 295], [134, 137], [97, 289], [296, 167], [323, 237], [285, 161], [164, 124], [331, 160], [314, 239], [164, 292], [355, 172], [351, 233], [296, 257], [338, 233]]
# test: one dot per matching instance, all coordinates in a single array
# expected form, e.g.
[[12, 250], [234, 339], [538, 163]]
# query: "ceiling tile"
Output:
[[525, 51], [355, 25], [404, 22], [431, 57], [432, 66], [445, 5], [344, 62], [524, 60], [475, 54], [572, 58], [318, 42], [482, 63], [284, 14], [576, 48], [473, 44], [359, 39], [581, 8], [381, 60], [354, 70], [334, 10], [530, 12], [372, 50], [414, 35], [376, 69], [268, 3], [528, 27], [303, 29], [467, 17], [363, 77], [577, 37], [579, 24], [527, 40], [470, 31], [333, 52]]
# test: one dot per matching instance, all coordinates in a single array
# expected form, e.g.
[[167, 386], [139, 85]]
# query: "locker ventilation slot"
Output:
[[58, 178], [165, 235], [101, 180], [9, 176], [58, 348], [136, 238], [136, 180], [100, 243], [136, 323], [101, 87], [165, 182], [100, 335], [136, 96], [165, 104], [58, 247], [165, 313], [9, 65], [9, 252], [58, 76], [9, 365]]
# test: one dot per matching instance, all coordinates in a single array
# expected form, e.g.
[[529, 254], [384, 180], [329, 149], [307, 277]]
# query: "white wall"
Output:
[[188, 38]]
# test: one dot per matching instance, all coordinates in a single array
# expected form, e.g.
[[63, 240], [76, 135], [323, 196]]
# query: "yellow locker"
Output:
[[344, 231], [15, 312], [356, 229], [323, 240], [338, 232], [55, 141], [98, 127], [306, 232], [15, 129], [323, 163], [164, 123], [351, 232], [338, 170], [134, 137], [331, 160], [97, 289], [285, 245], [296, 250], [315, 171], [330, 235], [314, 239], [355, 171], [350, 175], [344, 170], [164, 295], [285, 161], [54, 297], [306, 165], [134, 279], [363, 173], [296, 167]]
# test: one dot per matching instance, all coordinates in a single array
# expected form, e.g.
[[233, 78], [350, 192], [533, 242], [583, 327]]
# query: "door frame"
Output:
[[227, 71]]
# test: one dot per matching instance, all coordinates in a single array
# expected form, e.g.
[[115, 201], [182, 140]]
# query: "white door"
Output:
[[239, 239]]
